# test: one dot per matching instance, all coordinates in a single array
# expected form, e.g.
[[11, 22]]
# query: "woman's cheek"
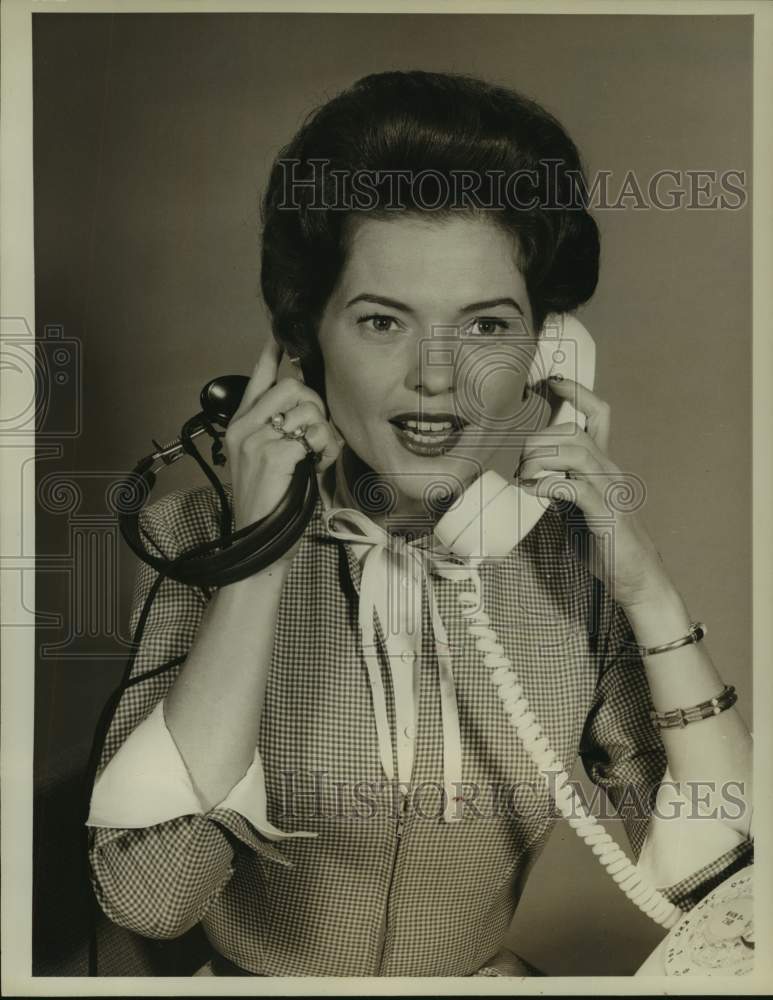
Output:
[[494, 399], [349, 413]]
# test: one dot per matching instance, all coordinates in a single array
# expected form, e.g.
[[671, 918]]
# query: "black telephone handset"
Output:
[[221, 397], [244, 552]]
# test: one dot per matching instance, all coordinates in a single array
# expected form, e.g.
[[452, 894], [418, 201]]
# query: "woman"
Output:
[[334, 791]]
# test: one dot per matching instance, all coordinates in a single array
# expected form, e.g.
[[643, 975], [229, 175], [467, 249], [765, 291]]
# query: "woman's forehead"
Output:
[[465, 256]]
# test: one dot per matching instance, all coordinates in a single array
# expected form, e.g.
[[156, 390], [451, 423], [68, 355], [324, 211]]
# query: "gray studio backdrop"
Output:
[[153, 137]]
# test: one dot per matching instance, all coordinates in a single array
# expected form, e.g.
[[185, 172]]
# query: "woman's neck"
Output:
[[383, 504]]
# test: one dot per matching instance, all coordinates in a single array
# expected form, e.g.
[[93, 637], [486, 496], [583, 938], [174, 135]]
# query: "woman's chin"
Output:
[[423, 485], [429, 487], [454, 469]]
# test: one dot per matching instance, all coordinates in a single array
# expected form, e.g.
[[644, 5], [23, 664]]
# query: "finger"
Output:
[[559, 435], [304, 415], [278, 451], [283, 397], [596, 410], [579, 492], [254, 440], [599, 427], [319, 436], [322, 439], [280, 398], [263, 376], [569, 458]]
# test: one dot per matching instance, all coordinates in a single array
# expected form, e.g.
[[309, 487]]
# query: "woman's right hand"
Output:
[[261, 460]]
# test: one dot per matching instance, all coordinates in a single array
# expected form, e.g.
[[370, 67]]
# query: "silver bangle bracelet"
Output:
[[681, 717], [696, 632]]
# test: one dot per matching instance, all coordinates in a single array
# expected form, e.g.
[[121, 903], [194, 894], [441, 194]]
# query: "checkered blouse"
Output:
[[380, 891]]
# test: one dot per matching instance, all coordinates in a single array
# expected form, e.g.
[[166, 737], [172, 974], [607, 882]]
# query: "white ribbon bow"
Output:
[[393, 579]]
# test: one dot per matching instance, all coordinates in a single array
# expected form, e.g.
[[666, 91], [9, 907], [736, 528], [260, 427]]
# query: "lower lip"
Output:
[[445, 442]]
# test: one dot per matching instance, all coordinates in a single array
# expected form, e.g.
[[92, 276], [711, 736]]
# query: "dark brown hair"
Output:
[[435, 128]]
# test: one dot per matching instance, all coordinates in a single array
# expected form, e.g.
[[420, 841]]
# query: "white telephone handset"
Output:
[[492, 516], [487, 522]]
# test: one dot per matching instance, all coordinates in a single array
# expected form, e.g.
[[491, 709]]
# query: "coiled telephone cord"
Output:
[[637, 889]]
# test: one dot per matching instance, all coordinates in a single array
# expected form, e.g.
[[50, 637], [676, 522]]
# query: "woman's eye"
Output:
[[378, 322], [487, 326]]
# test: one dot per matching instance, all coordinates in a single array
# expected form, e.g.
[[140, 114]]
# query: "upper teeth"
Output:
[[421, 425]]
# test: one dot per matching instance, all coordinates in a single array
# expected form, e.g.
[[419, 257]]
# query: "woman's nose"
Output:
[[433, 368]]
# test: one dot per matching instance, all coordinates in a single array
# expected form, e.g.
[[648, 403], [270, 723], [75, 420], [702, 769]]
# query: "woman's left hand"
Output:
[[619, 551]]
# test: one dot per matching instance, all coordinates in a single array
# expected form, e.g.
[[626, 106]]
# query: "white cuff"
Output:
[[147, 782], [678, 844]]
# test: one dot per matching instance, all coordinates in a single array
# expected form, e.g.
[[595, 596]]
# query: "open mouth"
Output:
[[425, 434]]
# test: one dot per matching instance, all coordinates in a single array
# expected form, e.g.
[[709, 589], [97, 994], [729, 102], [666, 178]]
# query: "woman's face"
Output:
[[427, 341]]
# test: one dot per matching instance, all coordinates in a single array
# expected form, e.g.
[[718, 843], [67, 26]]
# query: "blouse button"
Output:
[[407, 656], [410, 732]]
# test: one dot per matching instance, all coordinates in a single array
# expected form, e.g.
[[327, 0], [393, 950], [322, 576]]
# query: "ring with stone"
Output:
[[277, 421]]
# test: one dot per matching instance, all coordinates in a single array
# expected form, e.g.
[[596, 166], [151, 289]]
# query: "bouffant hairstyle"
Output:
[[422, 142]]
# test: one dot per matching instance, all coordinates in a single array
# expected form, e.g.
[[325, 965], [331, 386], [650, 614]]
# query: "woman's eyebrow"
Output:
[[382, 300], [491, 304]]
